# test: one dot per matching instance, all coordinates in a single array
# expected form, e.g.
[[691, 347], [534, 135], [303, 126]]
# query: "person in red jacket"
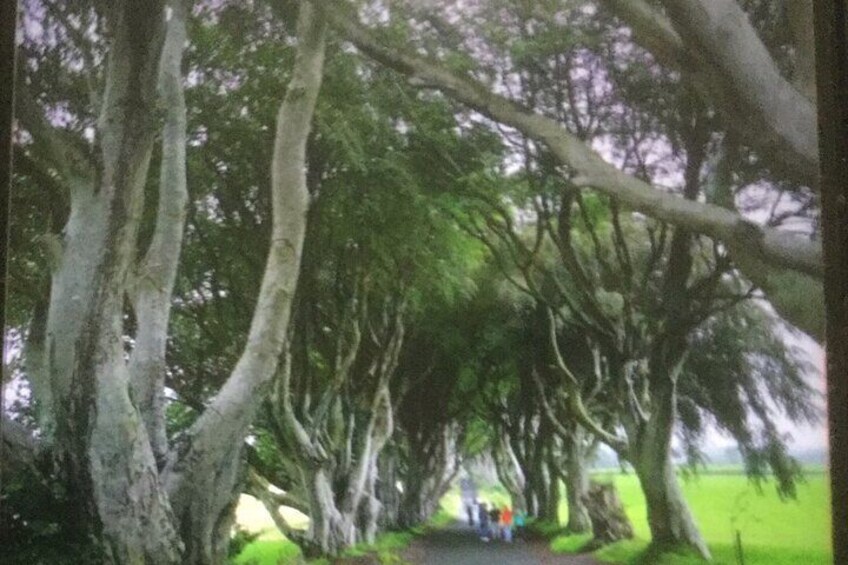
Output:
[[506, 523]]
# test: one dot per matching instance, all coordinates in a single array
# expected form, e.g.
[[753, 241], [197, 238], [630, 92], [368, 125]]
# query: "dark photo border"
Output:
[[832, 78], [8, 21]]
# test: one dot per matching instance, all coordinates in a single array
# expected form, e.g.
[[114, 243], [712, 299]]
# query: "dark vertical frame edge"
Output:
[[8, 21], [831, 26]]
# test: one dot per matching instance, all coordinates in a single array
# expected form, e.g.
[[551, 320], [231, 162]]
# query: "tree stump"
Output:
[[609, 522]]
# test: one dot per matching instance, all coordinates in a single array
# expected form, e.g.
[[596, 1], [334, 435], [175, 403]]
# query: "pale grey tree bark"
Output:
[[152, 283], [336, 517], [93, 429], [100, 441], [387, 487], [714, 43], [21, 450], [510, 472], [576, 479], [648, 421], [649, 425], [35, 366], [669, 517], [721, 32], [334, 442], [109, 434], [202, 471], [578, 445]]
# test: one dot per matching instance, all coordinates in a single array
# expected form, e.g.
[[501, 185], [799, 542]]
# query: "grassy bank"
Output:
[[773, 532], [272, 548]]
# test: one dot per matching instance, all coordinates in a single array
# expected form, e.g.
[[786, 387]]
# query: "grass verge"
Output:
[[271, 548], [774, 532]]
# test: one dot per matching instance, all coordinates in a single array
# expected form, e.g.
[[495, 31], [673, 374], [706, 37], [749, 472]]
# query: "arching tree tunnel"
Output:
[[387, 241]]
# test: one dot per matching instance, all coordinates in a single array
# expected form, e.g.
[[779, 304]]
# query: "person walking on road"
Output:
[[495, 520], [506, 523], [518, 521], [483, 521]]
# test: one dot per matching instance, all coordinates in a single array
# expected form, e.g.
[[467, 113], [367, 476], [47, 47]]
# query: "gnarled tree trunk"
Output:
[[550, 510], [387, 490], [669, 517], [109, 431], [714, 43], [432, 467], [202, 472], [101, 443], [576, 480], [412, 512], [339, 466], [330, 531], [152, 283], [368, 521], [510, 473], [538, 483], [609, 521]]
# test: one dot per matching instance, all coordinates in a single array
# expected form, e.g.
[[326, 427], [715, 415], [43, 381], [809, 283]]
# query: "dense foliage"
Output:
[[473, 283]]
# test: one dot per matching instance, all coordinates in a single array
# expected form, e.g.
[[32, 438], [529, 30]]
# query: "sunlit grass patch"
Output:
[[546, 529], [272, 548], [622, 552], [269, 552], [570, 543], [251, 515], [451, 503], [772, 531], [385, 543], [637, 552]]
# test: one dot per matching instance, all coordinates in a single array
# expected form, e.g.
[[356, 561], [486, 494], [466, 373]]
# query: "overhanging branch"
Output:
[[775, 247]]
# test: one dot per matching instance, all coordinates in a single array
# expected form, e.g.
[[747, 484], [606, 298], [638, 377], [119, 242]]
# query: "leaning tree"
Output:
[[636, 297], [371, 252], [102, 418]]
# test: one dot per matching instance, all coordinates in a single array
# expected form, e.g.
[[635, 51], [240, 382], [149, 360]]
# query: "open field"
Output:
[[773, 532]]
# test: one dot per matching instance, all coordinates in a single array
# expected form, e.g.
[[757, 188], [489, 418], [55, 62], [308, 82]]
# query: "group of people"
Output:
[[495, 523]]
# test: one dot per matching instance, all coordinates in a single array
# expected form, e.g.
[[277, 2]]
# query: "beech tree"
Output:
[[141, 500], [767, 101], [372, 247], [618, 387], [501, 395], [431, 430], [636, 298]]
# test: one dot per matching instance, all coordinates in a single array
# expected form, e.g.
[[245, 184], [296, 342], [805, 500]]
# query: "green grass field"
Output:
[[773, 532]]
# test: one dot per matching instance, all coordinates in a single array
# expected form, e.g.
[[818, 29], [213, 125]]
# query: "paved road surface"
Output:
[[459, 545]]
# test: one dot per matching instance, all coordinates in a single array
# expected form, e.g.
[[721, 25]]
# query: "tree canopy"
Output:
[[327, 253]]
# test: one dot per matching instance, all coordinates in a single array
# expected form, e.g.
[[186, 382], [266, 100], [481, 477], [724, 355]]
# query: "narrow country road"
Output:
[[459, 545]]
